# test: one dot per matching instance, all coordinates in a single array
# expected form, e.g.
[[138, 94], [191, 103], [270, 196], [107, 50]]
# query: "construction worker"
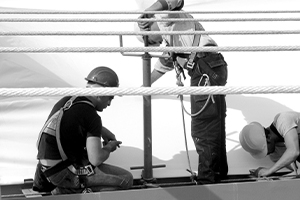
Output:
[[70, 150], [280, 140], [208, 111]]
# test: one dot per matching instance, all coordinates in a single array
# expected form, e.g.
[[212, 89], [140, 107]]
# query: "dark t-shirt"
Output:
[[78, 123]]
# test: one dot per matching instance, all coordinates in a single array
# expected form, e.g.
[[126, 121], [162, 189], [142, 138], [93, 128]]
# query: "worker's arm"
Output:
[[163, 65], [157, 6], [155, 75], [161, 5], [107, 135], [98, 154], [289, 156]]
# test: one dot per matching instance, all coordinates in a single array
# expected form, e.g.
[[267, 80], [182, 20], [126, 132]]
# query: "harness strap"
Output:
[[67, 106], [52, 127], [274, 129], [57, 168], [57, 136], [191, 57], [191, 61], [48, 128]]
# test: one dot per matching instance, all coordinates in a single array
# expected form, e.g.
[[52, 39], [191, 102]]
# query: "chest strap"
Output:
[[191, 62]]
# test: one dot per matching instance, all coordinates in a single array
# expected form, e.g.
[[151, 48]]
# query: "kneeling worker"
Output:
[[260, 142], [70, 151]]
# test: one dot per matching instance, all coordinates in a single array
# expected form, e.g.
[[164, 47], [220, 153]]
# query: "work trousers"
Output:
[[208, 127], [105, 178]]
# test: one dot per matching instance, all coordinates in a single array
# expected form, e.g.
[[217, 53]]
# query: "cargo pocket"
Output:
[[218, 66], [202, 102]]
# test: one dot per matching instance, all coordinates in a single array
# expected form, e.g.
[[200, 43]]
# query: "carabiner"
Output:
[[206, 80]]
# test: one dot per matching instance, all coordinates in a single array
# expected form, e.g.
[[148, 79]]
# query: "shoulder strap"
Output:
[[54, 122], [196, 42], [274, 129], [47, 126], [52, 126]]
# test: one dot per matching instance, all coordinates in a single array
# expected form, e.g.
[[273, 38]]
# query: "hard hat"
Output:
[[144, 4], [253, 140], [103, 76], [156, 39]]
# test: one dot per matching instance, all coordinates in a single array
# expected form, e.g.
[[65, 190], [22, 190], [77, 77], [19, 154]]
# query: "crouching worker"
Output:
[[70, 150], [280, 141]]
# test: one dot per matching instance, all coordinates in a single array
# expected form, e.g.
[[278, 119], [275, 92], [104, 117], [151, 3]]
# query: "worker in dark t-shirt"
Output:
[[70, 151]]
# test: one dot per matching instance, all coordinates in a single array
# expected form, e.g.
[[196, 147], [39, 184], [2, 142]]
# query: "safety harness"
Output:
[[182, 61], [281, 139], [52, 127]]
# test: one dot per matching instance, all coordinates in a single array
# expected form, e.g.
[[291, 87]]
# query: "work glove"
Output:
[[255, 172], [145, 26]]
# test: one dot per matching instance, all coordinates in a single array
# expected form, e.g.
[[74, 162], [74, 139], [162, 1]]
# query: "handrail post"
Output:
[[148, 171]]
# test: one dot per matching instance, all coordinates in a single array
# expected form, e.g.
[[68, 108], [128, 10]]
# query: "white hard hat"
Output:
[[253, 140], [137, 29]]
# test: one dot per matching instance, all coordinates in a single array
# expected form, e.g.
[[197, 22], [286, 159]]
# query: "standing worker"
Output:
[[260, 142], [70, 152], [204, 68]]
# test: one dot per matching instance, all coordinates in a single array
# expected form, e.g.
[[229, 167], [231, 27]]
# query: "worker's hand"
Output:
[[113, 144], [106, 140], [145, 26], [260, 172]]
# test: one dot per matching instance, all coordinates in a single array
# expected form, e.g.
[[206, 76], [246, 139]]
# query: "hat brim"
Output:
[[260, 155]]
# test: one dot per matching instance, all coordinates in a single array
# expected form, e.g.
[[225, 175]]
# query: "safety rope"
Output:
[[88, 33], [149, 20], [193, 174], [144, 49], [148, 12], [210, 97], [133, 91]]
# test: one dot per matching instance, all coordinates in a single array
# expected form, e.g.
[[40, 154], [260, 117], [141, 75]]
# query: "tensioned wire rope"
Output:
[[134, 91], [256, 19], [144, 49], [89, 33], [150, 12]]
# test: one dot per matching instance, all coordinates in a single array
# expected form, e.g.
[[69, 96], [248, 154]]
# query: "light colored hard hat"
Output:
[[253, 140]]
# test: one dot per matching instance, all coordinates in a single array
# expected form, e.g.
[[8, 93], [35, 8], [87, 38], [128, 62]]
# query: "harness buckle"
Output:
[[190, 64], [89, 169], [68, 104]]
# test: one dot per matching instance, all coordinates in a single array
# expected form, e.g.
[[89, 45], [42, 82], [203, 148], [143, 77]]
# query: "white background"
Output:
[[22, 118]]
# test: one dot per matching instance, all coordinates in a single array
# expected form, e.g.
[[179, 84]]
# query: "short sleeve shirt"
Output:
[[78, 123], [179, 40], [285, 121]]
